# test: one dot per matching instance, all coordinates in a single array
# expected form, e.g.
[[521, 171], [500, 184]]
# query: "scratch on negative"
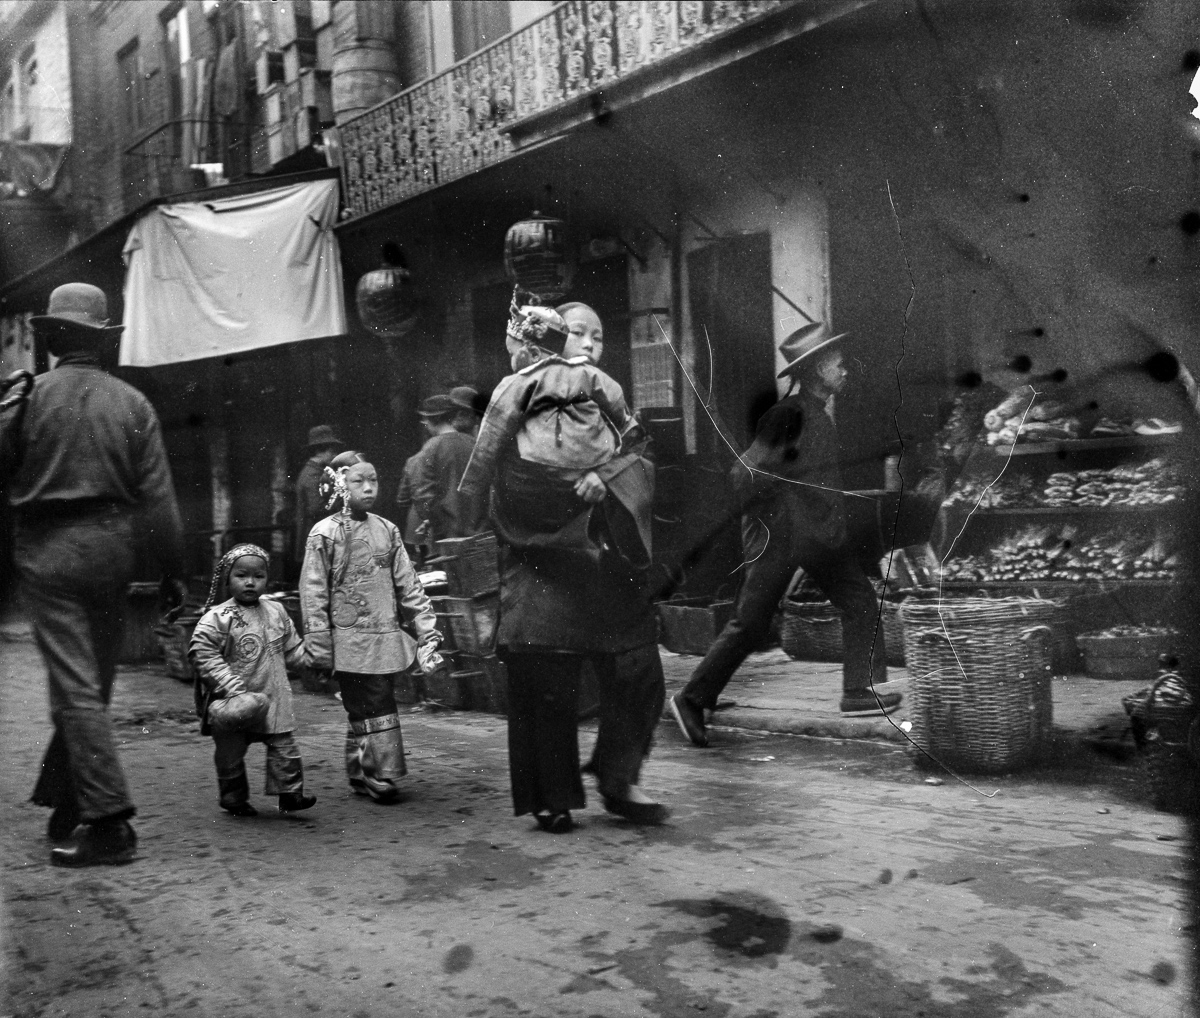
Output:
[[737, 455]]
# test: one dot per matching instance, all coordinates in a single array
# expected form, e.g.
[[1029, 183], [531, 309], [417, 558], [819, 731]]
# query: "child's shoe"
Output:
[[293, 802]]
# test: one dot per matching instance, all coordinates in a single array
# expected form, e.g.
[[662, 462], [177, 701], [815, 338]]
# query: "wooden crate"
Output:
[[689, 626]]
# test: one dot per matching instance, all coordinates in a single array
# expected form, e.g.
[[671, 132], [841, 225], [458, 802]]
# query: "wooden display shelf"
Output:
[[1074, 510], [1070, 445], [1057, 587]]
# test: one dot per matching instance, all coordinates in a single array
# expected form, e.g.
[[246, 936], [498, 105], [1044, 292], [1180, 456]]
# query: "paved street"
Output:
[[798, 877]]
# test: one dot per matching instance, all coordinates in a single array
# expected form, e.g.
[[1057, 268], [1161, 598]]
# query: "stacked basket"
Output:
[[980, 698], [812, 631]]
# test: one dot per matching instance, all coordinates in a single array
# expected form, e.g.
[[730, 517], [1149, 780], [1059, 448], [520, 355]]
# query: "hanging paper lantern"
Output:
[[537, 257], [386, 297]]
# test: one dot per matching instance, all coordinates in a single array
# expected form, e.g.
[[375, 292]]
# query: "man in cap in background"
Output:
[[793, 516], [451, 420], [322, 447], [90, 480]]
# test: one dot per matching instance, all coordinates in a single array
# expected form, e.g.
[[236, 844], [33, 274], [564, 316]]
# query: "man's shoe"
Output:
[[63, 822], [240, 809], [98, 844], [293, 802], [866, 704], [690, 719], [645, 813]]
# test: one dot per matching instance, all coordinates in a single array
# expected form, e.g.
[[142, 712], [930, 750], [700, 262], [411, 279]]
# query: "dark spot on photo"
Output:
[[1162, 366]]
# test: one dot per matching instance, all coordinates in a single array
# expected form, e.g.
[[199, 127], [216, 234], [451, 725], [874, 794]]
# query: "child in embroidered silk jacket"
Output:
[[244, 645], [358, 590], [554, 420]]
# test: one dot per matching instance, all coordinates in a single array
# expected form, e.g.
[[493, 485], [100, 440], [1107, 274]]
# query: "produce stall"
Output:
[[1053, 506]]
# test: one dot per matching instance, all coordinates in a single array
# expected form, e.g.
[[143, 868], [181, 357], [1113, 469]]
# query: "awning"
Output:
[[220, 277]]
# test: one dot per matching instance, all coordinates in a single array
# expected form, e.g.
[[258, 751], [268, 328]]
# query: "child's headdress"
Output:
[[533, 325], [332, 485], [221, 573]]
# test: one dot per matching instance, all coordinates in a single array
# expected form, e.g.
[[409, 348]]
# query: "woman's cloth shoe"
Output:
[[293, 802], [555, 823], [240, 809], [105, 843], [646, 813], [690, 719], [63, 822], [866, 703]]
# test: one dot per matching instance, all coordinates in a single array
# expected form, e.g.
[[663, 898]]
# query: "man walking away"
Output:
[[789, 485], [90, 479], [450, 420], [322, 447]]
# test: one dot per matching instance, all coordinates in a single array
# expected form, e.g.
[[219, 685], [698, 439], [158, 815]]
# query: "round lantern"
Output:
[[386, 297], [537, 257]]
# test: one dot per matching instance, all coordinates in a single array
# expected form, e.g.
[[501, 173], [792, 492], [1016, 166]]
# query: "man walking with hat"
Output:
[[322, 447], [450, 420], [790, 490], [90, 479]]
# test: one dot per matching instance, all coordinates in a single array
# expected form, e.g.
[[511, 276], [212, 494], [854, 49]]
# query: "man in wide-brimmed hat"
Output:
[[322, 446], [793, 517], [91, 480], [450, 419]]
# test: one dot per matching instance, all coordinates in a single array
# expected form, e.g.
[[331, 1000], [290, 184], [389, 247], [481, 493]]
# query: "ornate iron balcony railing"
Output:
[[183, 155], [458, 121]]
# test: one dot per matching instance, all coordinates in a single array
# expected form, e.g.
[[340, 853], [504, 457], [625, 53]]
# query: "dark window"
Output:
[[129, 63], [478, 24]]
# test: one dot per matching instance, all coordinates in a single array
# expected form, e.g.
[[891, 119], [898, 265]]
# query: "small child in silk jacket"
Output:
[[553, 420], [244, 645]]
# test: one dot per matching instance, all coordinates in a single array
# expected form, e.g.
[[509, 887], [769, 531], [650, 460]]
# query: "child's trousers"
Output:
[[285, 771], [374, 744]]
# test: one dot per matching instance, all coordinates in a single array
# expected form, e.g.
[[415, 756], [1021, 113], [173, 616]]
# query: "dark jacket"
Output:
[[90, 440], [436, 498], [789, 478]]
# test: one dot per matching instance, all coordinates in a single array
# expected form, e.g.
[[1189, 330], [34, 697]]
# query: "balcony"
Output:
[[463, 119], [184, 155]]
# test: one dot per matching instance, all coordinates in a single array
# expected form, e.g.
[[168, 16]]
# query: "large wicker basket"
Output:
[[980, 698], [810, 630]]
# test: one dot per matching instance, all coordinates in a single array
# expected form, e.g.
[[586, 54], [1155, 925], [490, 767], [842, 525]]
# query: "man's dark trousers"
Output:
[[767, 575], [74, 576]]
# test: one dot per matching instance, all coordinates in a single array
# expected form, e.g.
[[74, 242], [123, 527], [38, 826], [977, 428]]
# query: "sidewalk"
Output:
[[773, 693]]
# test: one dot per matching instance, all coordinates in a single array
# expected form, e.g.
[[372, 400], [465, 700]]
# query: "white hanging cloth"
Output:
[[214, 278]]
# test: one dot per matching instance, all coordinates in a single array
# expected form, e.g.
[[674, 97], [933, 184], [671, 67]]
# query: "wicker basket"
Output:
[[174, 639], [1168, 713], [810, 630], [980, 668], [472, 564]]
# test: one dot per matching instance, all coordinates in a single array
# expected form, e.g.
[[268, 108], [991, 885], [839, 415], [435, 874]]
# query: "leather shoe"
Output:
[[647, 813], [293, 802], [105, 843], [63, 822], [690, 719], [240, 809]]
